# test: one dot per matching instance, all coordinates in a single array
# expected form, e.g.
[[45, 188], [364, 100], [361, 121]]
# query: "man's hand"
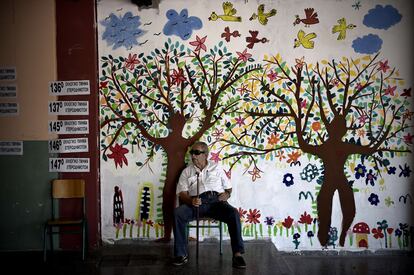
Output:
[[196, 202], [224, 196]]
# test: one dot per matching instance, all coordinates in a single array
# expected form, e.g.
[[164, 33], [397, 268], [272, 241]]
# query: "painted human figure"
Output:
[[215, 189]]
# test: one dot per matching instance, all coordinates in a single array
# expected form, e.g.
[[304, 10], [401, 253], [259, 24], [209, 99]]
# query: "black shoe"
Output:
[[180, 260], [238, 262]]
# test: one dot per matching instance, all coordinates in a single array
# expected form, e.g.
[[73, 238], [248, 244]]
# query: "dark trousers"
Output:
[[213, 208]]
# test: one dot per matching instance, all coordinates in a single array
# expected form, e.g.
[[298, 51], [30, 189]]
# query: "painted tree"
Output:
[[331, 111], [167, 100]]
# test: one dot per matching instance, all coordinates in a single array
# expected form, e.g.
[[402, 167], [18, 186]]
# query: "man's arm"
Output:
[[187, 199], [225, 195]]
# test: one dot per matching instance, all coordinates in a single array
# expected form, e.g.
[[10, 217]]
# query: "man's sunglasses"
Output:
[[196, 152]]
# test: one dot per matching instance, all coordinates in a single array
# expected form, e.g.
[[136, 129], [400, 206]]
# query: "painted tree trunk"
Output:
[[176, 163], [334, 179]]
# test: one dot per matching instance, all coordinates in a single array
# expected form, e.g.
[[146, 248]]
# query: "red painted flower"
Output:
[[244, 55], [377, 232], [383, 66], [242, 212], [288, 222], [118, 154], [178, 76], [199, 43], [131, 61], [408, 138], [305, 218], [253, 216], [390, 90]]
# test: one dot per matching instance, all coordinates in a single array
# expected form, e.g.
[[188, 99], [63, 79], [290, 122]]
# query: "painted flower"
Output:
[[272, 76], [288, 179], [360, 171], [370, 178], [178, 76], [310, 234], [392, 170], [288, 222], [390, 90], [218, 133], [273, 139], [281, 155], [316, 126], [293, 158], [377, 233], [408, 138], [215, 157], [242, 89], [373, 199], [383, 66], [118, 154], [405, 171], [305, 218], [199, 43], [239, 121], [269, 220], [255, 173], [253, 216], [244, 56], [131, 61], [363, 118], [242, 213], [296, 236]]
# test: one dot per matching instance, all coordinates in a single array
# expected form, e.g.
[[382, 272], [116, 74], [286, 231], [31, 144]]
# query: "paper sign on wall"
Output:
[[70, 145], [68, 108], [11, 147], [68, 164], [7, 73], [8, 90], [74, 87], [9, 109], [69, 126]]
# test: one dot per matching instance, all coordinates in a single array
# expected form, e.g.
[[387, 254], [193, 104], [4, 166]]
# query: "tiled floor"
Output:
[[262, 258]]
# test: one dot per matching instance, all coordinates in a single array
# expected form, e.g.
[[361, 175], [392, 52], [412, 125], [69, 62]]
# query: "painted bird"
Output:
[[263, 16], [227, 34], [253, 39], [310, 19], [229, 14], [341, 28], [304, 40]]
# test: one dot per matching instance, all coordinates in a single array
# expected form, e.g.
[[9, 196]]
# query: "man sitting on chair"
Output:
[[214, 189]]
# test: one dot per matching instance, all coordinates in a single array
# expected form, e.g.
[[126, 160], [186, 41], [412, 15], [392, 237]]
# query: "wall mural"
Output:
[[308, 107]]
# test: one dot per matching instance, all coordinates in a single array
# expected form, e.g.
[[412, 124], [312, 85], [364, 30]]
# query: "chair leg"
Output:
[[221, 237], [44, 243]]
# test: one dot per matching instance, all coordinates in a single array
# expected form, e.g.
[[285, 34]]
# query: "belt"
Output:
[[209, 194]]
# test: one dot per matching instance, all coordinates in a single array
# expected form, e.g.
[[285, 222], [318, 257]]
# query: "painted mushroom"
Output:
[[361, 231]]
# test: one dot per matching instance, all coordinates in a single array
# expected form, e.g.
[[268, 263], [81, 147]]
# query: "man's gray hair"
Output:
[[202, 144]]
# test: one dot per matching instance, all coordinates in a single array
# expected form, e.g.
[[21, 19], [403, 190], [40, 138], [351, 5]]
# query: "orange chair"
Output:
[[67, 189]]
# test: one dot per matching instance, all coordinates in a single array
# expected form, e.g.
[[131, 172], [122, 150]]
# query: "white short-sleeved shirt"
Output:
[[211, 178]]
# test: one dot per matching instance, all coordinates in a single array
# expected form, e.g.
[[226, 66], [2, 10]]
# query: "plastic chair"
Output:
[[63, 189], [210, 224]]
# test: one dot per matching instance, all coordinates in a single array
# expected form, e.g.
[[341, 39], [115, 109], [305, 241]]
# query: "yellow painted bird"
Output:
[[229, 14], [341, 28], [304, 40], [263, 16]]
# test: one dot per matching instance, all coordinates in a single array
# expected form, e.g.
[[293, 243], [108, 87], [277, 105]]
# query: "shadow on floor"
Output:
[[149, 257]]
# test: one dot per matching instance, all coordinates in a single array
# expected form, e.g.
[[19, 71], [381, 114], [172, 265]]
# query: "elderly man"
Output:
[[215, 190]]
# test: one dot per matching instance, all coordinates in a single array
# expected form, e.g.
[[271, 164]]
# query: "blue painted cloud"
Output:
[[122, 31], [368, 44], [181, 24], [382, 17]]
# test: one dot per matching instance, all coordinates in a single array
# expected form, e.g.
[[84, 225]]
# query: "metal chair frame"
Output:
[[219, 225], [66, 189]]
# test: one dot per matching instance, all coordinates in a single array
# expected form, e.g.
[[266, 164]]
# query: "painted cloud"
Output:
[[382, 17]]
